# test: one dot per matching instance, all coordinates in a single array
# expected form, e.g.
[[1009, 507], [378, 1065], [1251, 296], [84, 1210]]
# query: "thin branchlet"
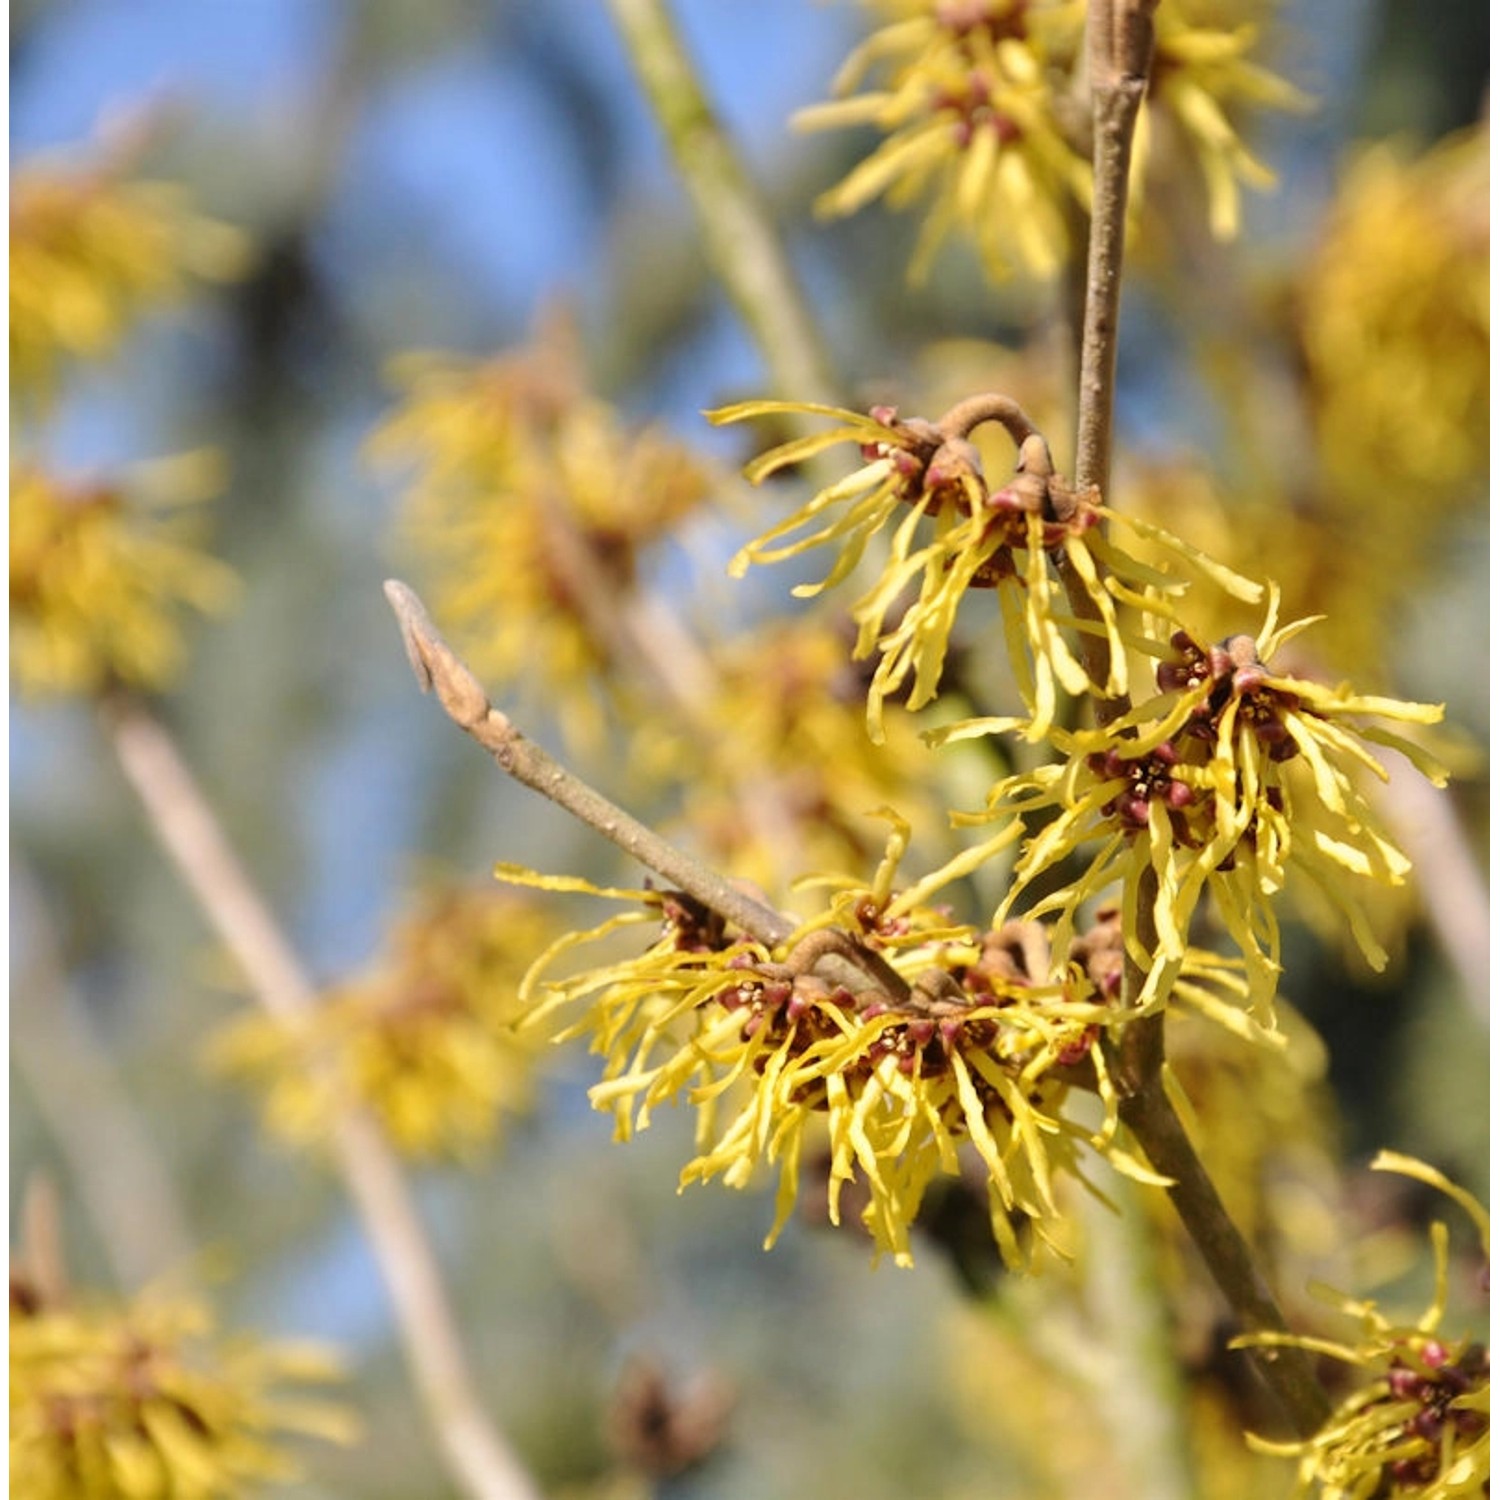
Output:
[[439, 669]]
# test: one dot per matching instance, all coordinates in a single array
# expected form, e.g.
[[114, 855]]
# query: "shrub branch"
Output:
[[477, 1455]]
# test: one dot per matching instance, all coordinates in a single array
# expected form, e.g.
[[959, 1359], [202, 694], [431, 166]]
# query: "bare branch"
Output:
[[479, 1458], [464, 701]]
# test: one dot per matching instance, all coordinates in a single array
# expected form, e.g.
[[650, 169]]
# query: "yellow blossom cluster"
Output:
[[90, 252], [531, 503], [1225, 781], [427, 1041], [1000, 539], [148, 1401], [1228, 780], [967, 101], [888, 1035], [1419, 1422], [1203, 74], [982, 119], [1393, 322], [100, 572]]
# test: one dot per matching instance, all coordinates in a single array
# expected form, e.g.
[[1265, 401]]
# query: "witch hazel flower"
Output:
[[953, 533]]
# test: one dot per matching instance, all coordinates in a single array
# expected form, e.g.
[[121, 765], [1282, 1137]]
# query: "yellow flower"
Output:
[[1226, 780], [99, 571], [427, 1042], [968, 103], [775, 1048], [149, 1402], [979, 540], [1201, 72], [1393, 323], [789, 776], [1419, 1424], [1285, 758], [532, 504], [90, 253]]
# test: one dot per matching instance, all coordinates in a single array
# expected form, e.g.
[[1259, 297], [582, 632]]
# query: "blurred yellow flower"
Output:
[[967, 99], [1201, 74], [1393, 322], [100, 571], [531, 505], [790, 778], [91, 252], [427, 1042], [149, 1402], [1419, 1424]]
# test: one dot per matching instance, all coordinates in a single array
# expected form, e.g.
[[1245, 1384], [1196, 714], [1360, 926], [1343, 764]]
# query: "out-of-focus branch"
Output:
[[115, 1168], [1453, 890], [737, 229], [477, 1455]]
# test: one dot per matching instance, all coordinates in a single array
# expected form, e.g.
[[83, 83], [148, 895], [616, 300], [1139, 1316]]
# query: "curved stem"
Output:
[[439, 668], [477, 1455], [738, 231]]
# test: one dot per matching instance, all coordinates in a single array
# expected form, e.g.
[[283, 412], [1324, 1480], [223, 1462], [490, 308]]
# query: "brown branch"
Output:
[[438, 668], [477, 1455], [1120, 39], [1120, 43], [1287, 1371]]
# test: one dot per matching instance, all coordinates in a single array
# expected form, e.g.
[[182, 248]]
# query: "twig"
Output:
[[438, 668], [479, 1458], [1287, 1371], [737, 229], [1120, 39], [1120, 42]]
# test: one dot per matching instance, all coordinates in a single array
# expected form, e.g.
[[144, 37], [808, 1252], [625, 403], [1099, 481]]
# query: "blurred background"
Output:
[[444, 176]]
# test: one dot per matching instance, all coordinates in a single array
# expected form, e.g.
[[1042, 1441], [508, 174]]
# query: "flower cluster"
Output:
[[968, 105], [532, 503], [427, 1042], [789, 778], [981, 539], [149, 1402], [976, 103], [885, 1032], [1202, 74], [1226, 781], [1419, 1423], [100, 571], [1393, 327], [90, 252]]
